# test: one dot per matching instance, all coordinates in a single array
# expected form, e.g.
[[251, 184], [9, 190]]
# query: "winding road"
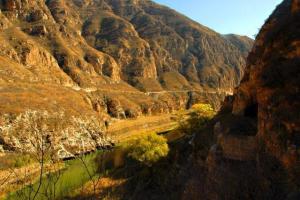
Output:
[[148, 93]]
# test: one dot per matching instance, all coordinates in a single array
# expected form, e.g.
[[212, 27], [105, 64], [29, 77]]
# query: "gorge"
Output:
[[109, 59], [78, 76]]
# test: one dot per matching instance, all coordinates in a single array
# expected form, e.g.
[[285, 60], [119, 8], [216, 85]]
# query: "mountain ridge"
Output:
[[123, 45]]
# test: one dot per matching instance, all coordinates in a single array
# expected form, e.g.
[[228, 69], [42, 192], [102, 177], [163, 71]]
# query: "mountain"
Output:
[[104, 59], [270, 88], [243, 43], [109, 56]]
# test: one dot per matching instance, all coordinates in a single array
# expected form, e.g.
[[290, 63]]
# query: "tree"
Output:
[[40, 134], [148, 149], [204, 110], [35, 132], [35, 128], [198, 118]]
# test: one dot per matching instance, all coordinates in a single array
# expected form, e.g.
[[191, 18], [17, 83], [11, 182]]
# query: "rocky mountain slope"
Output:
[[103, 55], [257, 150], [270, 88], [108, 58]]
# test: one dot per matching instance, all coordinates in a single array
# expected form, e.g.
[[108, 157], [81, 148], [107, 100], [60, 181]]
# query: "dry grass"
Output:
[[17, 98], [126, 129], [174, 81], [16, 178], [104, 186]]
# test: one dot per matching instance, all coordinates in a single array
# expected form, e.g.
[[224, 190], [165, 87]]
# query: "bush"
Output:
[[204, 110], [198, 118], [148, 149]]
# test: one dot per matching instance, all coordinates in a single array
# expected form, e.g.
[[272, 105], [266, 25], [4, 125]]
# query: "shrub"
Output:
[[148, 149], [204, 110], [198, 118]]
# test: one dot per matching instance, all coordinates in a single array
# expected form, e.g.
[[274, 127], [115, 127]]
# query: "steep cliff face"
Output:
[[270, 88], [257, 150], [59, 135], [242, 42], [178, 44]]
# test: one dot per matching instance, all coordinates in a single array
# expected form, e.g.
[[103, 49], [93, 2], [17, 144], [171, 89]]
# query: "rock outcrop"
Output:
[[54, 134], [257, 151], [270, 88]]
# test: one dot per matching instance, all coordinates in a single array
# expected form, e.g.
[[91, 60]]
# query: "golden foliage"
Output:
[[148, 148], [204, 110], [198, 118]]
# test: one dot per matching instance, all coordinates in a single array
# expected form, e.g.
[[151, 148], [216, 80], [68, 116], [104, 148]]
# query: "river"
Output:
[[60, 184]]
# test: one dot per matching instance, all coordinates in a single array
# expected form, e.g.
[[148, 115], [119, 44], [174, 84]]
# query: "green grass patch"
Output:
[[15, 160], [60, 184]]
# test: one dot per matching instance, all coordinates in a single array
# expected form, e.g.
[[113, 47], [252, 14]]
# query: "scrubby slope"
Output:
[[105, 50], [108, 58]]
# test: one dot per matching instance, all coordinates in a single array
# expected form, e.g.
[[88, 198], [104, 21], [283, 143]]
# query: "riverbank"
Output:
[[79, 175], [15, 178], [123, 130], [120, 131], [122, 173]]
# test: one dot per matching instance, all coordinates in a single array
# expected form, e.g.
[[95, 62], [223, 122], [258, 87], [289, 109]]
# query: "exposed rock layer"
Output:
[[270, 88], [257, 154]]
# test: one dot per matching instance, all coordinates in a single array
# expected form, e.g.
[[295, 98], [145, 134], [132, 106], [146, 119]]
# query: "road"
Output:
[[187, 91], [148, 93]]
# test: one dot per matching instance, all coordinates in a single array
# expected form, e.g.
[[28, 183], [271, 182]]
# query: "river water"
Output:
[[79, 171]]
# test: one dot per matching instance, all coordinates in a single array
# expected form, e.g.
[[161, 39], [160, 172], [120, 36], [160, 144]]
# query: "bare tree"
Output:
[[38, 133], [34, 128]]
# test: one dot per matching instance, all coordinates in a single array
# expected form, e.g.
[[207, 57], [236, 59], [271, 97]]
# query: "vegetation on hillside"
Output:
[[152, 164], [148, 148], [150, 160], [44, 139], [13, 160], [197, 119]]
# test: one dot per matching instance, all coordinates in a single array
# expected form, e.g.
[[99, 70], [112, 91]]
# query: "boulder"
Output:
[[242, 148]]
